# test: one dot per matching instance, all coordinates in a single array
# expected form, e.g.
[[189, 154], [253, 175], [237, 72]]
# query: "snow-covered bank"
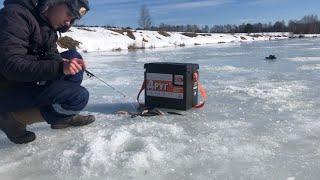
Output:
[[100, 39]]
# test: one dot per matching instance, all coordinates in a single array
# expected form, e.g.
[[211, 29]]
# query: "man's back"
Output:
[[27, 44]]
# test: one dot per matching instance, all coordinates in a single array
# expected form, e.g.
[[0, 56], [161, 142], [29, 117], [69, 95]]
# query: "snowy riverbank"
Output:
[[94, 39]]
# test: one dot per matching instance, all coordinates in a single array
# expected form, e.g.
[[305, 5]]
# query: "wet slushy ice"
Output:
[[261, 120]]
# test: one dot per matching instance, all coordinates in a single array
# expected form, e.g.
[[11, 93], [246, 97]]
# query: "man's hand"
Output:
[[73, 66]]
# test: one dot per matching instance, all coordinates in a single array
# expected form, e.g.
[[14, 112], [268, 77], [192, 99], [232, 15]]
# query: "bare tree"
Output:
[[145, 18], [279, 26]]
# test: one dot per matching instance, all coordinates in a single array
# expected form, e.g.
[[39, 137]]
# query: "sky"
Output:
[[126, 13]]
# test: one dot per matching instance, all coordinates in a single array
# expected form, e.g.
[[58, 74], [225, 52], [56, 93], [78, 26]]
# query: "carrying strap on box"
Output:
[[201, 89], [143, 87], [203, 93]]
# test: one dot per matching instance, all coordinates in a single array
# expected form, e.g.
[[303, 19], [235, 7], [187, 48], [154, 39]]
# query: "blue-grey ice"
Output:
[[261, 120]]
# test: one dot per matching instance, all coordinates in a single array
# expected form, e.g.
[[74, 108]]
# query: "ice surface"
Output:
[[261, 120]]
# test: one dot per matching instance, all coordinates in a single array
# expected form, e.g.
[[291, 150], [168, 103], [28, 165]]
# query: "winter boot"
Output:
[[77, 120], [15, 130]]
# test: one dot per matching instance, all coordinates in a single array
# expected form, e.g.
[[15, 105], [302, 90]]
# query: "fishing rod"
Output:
[[90, 74]]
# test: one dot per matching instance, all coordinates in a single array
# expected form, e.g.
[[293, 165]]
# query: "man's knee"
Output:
[[65, 93], [77, 78], [75, 98], [68, 102], [83, 95], [70, 54]]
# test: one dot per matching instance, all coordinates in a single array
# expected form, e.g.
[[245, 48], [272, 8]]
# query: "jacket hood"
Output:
[[43, 5], [29, 4], [78, 7]]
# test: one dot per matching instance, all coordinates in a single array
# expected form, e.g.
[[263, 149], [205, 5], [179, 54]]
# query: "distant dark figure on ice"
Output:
[[271, 57]]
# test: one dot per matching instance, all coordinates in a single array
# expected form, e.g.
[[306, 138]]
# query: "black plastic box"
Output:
[[171, 85]]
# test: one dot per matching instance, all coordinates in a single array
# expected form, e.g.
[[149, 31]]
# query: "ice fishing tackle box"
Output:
[[171, 85]]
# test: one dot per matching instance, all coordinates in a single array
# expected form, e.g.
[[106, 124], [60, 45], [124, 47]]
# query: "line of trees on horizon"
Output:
[[309, 24]]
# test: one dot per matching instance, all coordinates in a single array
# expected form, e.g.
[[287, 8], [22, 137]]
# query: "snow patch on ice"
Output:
[[133, 146], [121, 81], [305, 59], [300, 44], [309, 67], [226, 54], [272, 92], [230, 124], [314, 48], [231, 69], [149, 59], [252, 152]]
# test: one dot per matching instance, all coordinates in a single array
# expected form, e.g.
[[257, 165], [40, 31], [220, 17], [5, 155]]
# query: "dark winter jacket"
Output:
[[28, 50]]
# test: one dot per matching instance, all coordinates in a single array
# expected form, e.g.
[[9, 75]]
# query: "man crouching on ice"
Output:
[[34, 78]]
